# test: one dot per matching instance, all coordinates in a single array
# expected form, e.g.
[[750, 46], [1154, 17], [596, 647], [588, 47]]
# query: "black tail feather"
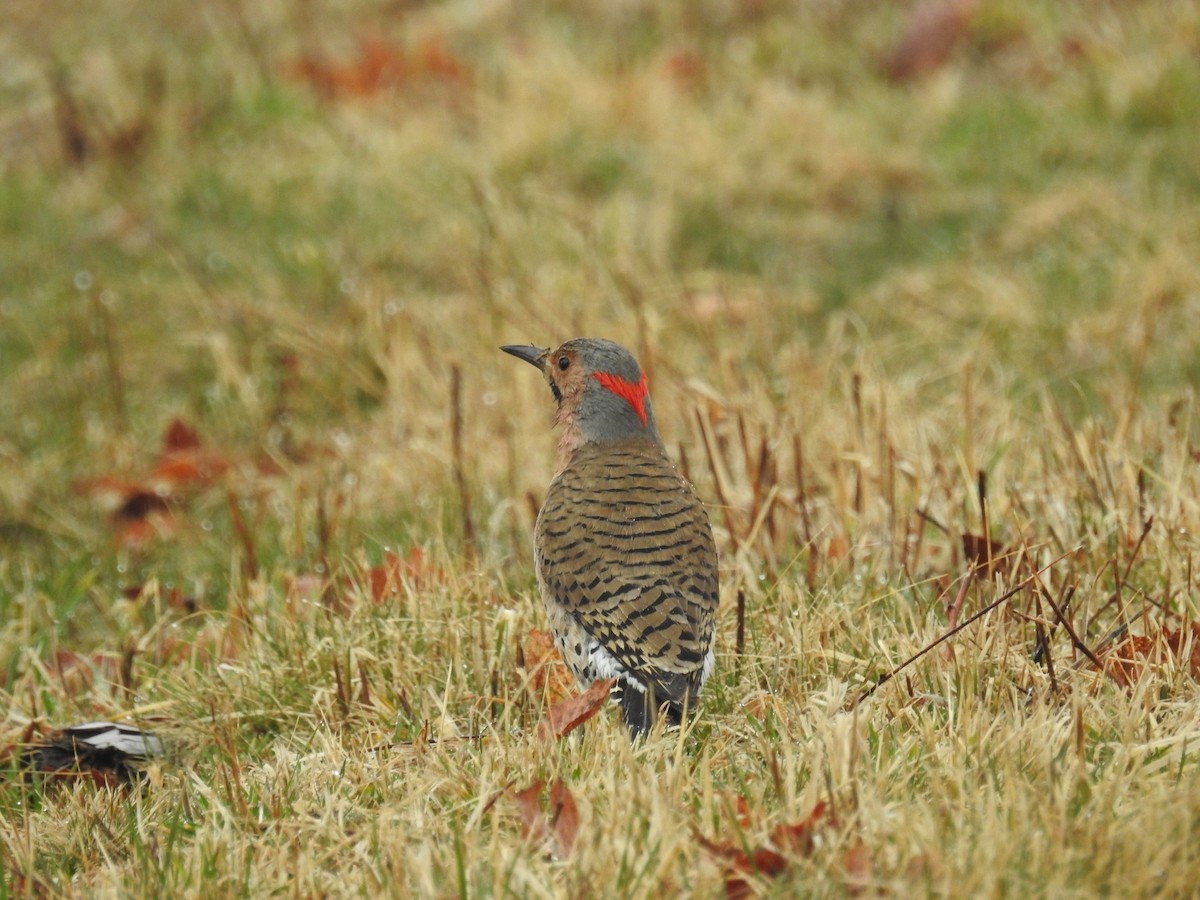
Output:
[[641, 709]]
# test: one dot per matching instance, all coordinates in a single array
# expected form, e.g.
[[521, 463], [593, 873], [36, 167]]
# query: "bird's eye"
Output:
[[564, 363]]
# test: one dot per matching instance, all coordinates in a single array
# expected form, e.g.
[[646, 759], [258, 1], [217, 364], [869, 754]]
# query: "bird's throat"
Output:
[[571, 438]]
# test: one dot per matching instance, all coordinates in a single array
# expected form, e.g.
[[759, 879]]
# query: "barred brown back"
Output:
[[628, 571]]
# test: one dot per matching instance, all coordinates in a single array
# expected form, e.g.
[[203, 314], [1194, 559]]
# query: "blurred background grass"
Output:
[[899, 245], [208, 214], [216, 214]]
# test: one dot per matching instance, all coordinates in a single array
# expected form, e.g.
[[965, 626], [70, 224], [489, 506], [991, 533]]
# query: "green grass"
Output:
[[993, 268]]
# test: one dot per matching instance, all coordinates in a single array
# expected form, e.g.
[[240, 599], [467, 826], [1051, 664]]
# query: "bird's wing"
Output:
[[624, 545]]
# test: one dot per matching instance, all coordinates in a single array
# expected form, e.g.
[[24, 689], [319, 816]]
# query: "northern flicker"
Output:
[[623, 547]]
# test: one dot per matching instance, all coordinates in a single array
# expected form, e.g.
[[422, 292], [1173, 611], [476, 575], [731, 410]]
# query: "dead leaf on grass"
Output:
[[146, 508], [787, 839], [932, 32], [569, 713], [380, 64], [989, 556], [554, 826], [548, 674], [1131, 656], [414, 569]]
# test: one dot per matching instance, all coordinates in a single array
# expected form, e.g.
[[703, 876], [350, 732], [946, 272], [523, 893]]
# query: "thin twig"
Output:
[[884, 679], [245, 538], [711, 453], [1043, 642], [460, 476], [956, 607], [739, 644]]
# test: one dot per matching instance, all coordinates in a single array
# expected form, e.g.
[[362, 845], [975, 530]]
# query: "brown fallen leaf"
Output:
[[762, 860], [183, 462], [838, 548], [565, 818], [857, 867], [932, 32], [415, 569], [380, 64], [788, 839], [797, 837], [687, 68], [548, 674], [1128, 659], [556, 825], [78, 673], [1131, 656], [990, 556], [179, 435], [569, 713], [1177, 641], [144, 509]]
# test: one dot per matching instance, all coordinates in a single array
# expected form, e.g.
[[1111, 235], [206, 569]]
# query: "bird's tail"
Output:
[[641, 709]]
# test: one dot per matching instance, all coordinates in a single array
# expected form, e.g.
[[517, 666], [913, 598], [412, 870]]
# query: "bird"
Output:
[[623, 547], [110, 752]]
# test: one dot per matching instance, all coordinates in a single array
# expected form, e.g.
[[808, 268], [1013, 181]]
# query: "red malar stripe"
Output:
[[633, 394]]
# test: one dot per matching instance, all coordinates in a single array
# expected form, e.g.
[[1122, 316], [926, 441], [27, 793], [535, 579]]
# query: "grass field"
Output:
[[920, 338]]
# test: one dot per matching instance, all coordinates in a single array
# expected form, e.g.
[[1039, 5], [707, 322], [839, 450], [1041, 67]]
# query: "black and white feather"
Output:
[[101, 748]]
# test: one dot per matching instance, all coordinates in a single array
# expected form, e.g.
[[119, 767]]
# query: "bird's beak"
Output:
[[535, 356]]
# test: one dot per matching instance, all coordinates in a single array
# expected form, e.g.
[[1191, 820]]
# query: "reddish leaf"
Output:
[[142, 519], [435, 61], [380, 65], [529, 808], [933, 31], [761, 705], [797, 837], [856, 863], [384, 583], [569, 713], [387, 579], [548, 674], [992, 556], [556, 825], [146, 509], [761, 860], [183, 461], [838, 548], [188, 468], [180, 436], [564, 816], [1177, 641], [1128, 658], [686, 67], [743, 812]]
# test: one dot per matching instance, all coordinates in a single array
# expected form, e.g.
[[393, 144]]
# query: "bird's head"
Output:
[[599, 387]]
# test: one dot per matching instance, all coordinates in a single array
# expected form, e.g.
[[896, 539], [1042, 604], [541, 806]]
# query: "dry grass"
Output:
[[852, 298]]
